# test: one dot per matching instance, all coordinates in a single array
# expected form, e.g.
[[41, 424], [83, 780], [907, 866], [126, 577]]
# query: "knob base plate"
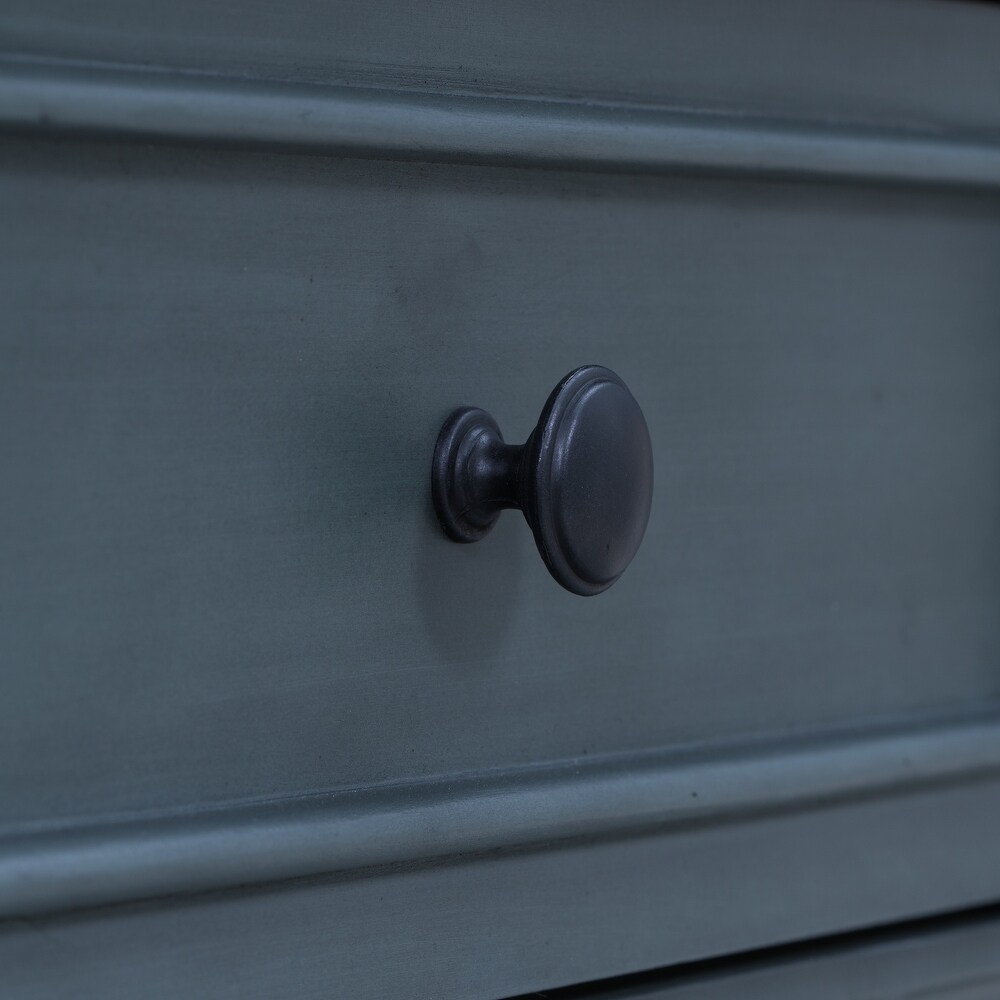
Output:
[[466, 435]]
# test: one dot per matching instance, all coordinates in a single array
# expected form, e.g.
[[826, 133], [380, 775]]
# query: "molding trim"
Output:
[[173, 107], [47, 869]]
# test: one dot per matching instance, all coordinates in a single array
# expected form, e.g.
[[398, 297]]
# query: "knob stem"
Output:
[[493, 473]]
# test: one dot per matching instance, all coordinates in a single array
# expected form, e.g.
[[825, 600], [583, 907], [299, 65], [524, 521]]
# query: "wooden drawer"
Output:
[[239, 652]]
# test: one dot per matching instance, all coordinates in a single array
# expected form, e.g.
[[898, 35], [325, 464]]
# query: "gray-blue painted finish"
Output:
[[222, 571], [222, 587]]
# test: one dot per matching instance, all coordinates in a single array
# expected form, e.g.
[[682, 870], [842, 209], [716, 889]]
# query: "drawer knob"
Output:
[[583, 479]]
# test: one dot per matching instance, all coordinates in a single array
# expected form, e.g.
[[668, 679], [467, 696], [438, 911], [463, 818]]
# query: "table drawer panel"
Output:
[[222, 377]]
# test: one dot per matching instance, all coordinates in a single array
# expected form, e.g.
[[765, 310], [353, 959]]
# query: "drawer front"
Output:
[[225, 374], [239, 650]]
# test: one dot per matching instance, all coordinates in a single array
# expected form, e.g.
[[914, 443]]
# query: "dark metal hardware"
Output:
[[583, 479]]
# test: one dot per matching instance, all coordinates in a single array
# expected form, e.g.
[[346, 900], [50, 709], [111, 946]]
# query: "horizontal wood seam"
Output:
[[48, 870], [175, 107]]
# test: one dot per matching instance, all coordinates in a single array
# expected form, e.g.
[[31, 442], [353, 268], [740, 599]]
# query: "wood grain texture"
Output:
[[510, 923], [222, 379], [55, 867], [222, 590], [953, 958], [922, 64], [177, 108]]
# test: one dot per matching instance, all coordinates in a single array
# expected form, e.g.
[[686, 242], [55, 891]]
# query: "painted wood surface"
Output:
[[506, 923], [953, 958], [53, 867], [230, 623], [177, 109], [224, 375], [924, 65]]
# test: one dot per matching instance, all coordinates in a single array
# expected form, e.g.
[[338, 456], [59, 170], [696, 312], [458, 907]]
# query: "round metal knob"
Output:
[[583, 479]]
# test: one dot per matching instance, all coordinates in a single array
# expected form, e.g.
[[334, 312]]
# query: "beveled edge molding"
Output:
[[175, 107], [46, 870]]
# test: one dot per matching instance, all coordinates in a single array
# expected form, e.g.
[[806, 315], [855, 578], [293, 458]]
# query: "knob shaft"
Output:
[[583, 479]]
